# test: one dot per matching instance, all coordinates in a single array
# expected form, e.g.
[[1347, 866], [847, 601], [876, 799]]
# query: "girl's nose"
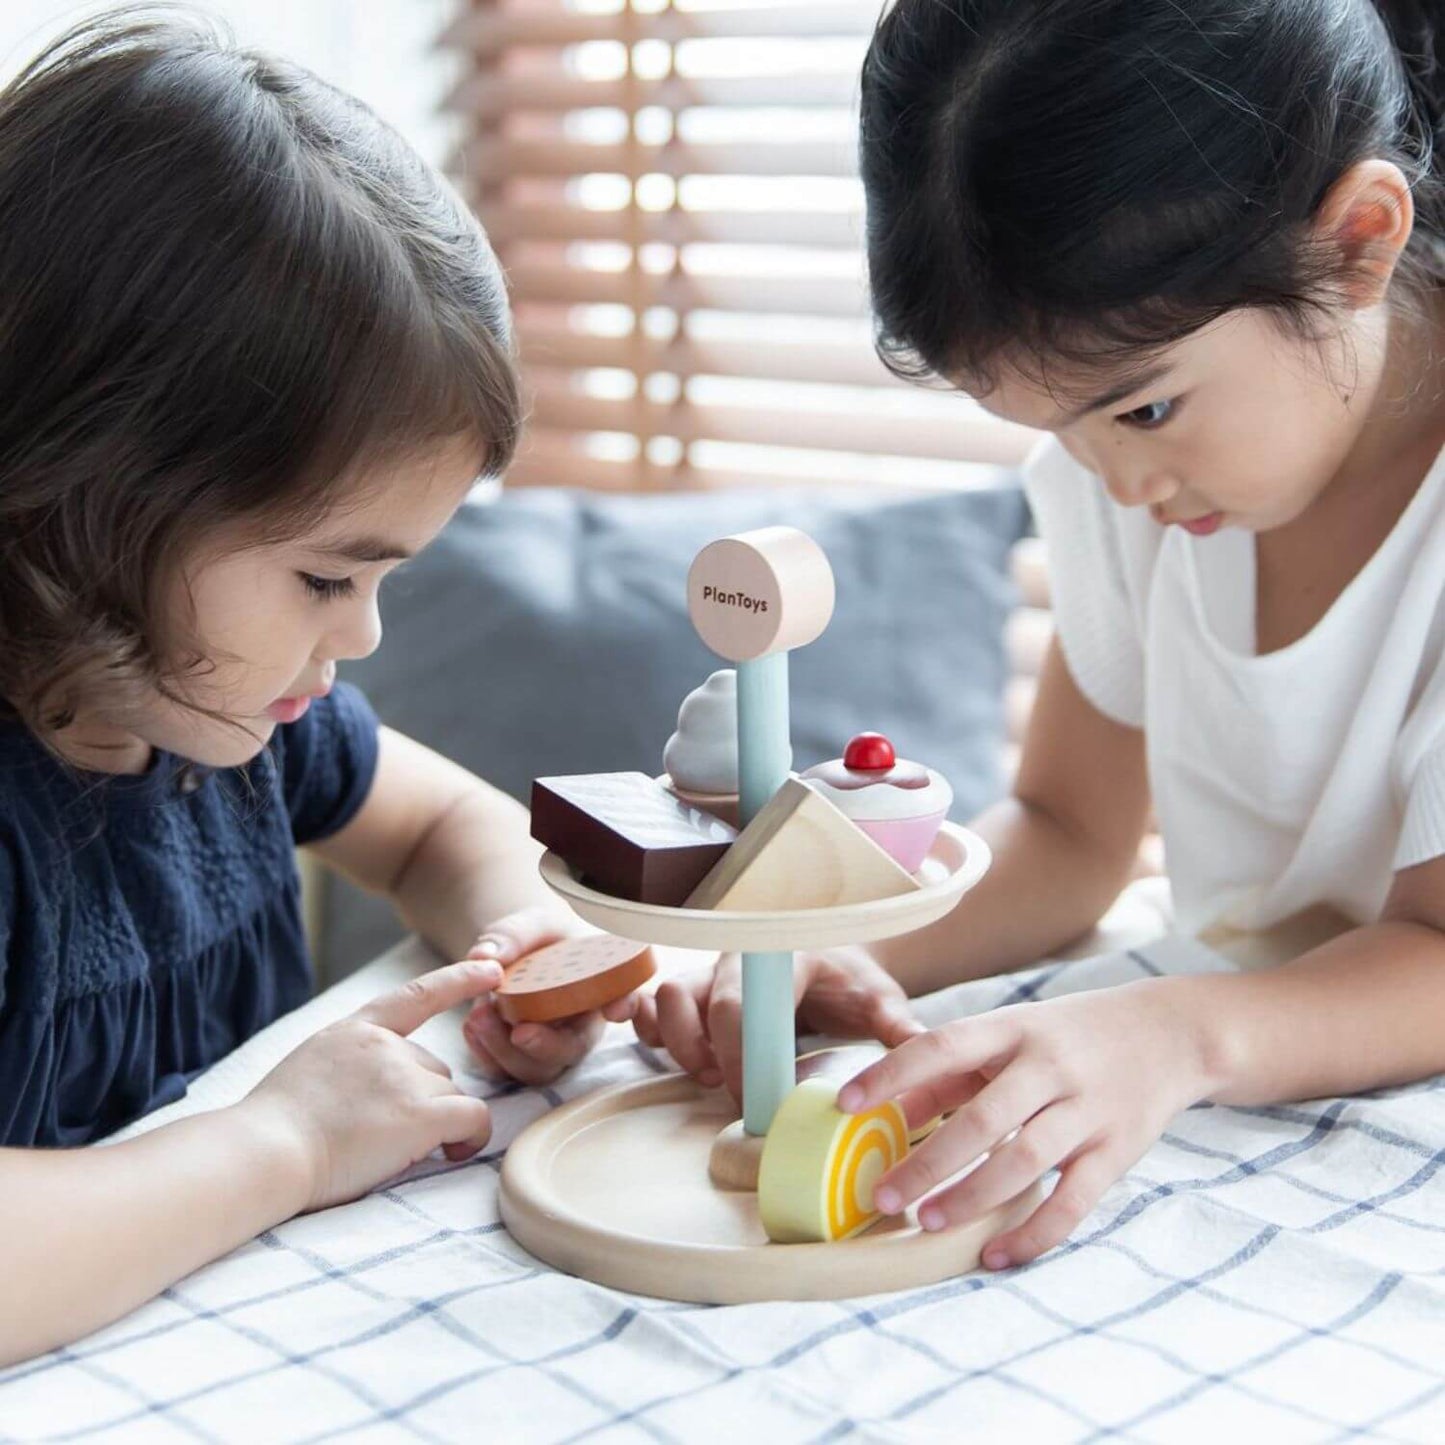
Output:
[[1146, 490], [360, 634]]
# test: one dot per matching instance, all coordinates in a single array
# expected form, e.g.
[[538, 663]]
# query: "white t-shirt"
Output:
[[1306, 776]]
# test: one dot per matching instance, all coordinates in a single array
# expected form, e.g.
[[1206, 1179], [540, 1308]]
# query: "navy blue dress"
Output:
[[151, 923]]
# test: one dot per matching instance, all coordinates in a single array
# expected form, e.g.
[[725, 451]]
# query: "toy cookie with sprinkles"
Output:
[[573, 977]]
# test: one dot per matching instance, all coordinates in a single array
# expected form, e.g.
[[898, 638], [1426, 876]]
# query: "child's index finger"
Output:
[[955, 1049], [864, 1091], [407, 1008]]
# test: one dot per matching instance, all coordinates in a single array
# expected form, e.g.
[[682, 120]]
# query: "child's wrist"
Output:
[[277, 1152], [1206, 1010]]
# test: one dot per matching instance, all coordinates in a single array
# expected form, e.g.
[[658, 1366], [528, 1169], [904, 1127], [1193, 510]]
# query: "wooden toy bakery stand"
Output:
[[650, 1187]]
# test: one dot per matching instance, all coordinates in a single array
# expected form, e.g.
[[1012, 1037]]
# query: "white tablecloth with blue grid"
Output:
[[1271, 1274]]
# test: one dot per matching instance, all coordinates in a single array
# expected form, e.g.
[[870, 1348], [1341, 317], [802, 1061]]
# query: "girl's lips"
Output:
[[1203, 526], [288, 709]]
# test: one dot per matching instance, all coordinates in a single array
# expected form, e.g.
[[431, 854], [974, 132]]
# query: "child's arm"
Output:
[[1064, 845], [87, 1235], [1091, 1081], [455, 856], [1360, 1012], [452, 852]]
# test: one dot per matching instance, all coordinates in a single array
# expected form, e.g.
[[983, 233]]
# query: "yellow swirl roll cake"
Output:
[[819, 1165]]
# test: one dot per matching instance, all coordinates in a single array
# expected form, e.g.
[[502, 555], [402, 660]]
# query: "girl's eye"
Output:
[[1149, 417], [325, 589]]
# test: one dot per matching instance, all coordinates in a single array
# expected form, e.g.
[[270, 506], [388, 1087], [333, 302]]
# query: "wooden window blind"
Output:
[[672, 189]]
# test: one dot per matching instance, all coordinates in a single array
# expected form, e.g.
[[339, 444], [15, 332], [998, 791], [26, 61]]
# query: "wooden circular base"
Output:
[[614, 1187], [736, 1158]]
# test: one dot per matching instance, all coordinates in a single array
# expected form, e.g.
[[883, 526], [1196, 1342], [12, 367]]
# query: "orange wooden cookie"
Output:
[[573, 977]]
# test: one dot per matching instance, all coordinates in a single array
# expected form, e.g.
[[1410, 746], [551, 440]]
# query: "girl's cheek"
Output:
[[1079, 452]]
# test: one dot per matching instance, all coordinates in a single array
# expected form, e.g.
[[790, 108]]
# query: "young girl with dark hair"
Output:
[[1201, 245], [253, 353]]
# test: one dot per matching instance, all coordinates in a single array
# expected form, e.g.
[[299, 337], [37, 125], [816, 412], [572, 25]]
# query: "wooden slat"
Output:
[[487, 97], [571, 467], [963, 436], [487, 32], [489, 162], [769, 295], [812, 230], [555, 344], [532, 230], [554, 459]]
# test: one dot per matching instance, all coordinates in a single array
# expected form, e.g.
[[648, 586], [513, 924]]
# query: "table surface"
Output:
[[1275, 1273]]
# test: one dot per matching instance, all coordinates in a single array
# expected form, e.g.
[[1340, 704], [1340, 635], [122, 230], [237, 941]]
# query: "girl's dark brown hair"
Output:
[[1088, 181], [225, 289]]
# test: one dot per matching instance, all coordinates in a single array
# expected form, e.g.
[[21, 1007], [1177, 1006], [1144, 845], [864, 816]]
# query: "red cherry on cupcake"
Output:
[[869, 753]]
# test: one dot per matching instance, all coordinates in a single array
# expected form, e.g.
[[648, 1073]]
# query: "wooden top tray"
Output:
[[957, 860]]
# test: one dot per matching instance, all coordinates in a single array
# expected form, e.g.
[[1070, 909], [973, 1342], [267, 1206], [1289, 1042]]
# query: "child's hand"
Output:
[[1089, 1082], [698, 1019], [530, 1053], [362, 1101]]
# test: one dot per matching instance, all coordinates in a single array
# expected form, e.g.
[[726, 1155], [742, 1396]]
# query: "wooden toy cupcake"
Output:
[[900, 805]]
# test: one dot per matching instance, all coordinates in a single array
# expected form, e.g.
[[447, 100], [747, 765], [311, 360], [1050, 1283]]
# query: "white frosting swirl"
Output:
[[702, 755]]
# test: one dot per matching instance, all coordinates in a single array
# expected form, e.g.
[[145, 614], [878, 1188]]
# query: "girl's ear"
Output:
[[1367, 215]]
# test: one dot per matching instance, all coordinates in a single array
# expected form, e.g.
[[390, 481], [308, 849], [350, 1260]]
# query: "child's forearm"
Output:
[[1046, 887], [87, 1235], [1361, 1012], [476, 864]]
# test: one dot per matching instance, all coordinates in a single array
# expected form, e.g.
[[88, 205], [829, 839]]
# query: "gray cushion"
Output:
[[547, 632]]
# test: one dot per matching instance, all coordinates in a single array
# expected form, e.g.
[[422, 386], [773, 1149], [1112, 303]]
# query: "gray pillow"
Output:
[[547, 632]]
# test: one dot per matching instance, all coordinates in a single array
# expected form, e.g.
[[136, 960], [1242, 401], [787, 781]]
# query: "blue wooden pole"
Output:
[[765, 756]]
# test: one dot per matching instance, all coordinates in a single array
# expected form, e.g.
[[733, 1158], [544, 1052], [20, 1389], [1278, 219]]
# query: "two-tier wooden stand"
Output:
[[616, 1187]]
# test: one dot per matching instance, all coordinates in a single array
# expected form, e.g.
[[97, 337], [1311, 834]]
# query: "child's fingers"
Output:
[[1081, 1185], [560, 1045], [482, 1024], [1015, 1096], [518, 934], [406, 1008], [1046, 1139], [464, 1124], [553, 1049], [891, 1021], [427, 1059], [954, 1049], [622, 1010], [483, 1061], [679, 1019], [860, 1010], [725, 1021], [487, 1031], [644, 1020], [928, 1101]]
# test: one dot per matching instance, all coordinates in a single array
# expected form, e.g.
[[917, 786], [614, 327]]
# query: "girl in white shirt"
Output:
[[1203, 248]]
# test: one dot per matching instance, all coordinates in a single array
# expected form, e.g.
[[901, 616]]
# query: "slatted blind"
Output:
[[672, 190]]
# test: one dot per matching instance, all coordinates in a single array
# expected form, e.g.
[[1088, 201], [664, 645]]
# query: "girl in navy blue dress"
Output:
[[253, 354]]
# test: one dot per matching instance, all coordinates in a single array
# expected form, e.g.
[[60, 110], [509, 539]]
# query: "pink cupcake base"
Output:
[[906, 840]]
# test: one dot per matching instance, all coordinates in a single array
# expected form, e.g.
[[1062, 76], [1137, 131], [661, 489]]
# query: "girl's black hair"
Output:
[[226, 290], [1088, 181]]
